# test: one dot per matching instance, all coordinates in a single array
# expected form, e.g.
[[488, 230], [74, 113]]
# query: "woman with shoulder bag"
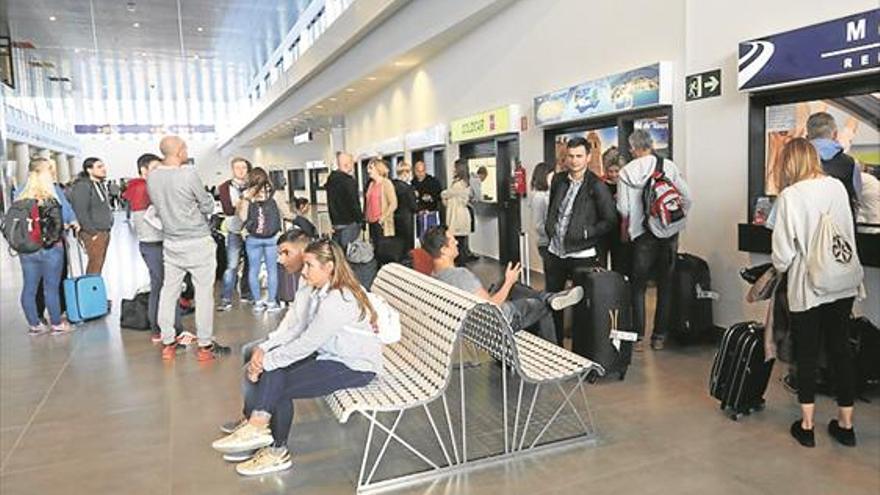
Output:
[[47, 263], [380, 205], [814, 244], [262, 213]]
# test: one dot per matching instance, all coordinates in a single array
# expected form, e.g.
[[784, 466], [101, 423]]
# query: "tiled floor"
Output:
[[98, 412]]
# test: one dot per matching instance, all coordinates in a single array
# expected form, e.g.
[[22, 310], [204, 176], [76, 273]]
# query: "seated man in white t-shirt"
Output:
[[522, 306]]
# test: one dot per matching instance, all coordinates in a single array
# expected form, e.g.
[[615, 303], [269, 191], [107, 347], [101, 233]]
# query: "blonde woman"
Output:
[[806, 193], [457, 198], [327, 345], [47, 264], [380, 202]]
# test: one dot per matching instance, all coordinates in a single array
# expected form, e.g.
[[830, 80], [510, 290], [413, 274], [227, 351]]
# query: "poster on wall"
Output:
[[658, 128], [638, 88], [601, 141], [857, 133]]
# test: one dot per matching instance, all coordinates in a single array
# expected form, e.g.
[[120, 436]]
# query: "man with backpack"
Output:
[[653, 201], [579, 216], [90, 197], [183, 206], [230, 193]]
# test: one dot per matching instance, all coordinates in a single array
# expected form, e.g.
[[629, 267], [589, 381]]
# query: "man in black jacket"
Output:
[[580, 215], [427, 188], [90, 198], [343, 201]]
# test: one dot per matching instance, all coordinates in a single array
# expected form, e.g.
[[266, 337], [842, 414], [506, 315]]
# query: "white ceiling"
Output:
[[240, 32]]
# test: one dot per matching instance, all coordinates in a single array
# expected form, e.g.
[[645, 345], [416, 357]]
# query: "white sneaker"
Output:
[[259, 307], [273, 307], [232, 426], [239, 456], [248, 437], [186, 338], [267, 460], [566, 298]]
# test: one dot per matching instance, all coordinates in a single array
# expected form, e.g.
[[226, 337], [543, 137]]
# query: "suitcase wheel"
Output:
[[734, 416]]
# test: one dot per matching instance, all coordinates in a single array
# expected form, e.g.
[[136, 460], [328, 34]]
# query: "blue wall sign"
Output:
[[839, 48]]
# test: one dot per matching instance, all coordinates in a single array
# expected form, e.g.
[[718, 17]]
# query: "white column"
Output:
[[44, 153], [62, 168], [73, 167], [23, 159]]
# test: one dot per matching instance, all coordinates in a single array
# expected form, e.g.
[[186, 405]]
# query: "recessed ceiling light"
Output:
[[53, 18], [136, 24], [350, 90], [195, 57], [332, 99], [76, 50], [399, 63], [200, 29], [319, 107], [143, 54]]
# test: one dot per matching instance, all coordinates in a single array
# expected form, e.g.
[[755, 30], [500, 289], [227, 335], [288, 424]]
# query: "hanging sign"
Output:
[[638, 88], [839, 48]]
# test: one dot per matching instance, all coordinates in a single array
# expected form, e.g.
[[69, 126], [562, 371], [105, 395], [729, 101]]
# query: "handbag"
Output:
[[765, 286], [833, 264]]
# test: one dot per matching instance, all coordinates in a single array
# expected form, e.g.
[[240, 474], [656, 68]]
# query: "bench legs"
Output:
[[518, 440]]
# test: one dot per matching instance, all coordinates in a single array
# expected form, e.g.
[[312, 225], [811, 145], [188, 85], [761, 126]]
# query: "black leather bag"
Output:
[[134, 314]]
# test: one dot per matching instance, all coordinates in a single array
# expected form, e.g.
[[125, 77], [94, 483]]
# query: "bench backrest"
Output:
[[431, 317]]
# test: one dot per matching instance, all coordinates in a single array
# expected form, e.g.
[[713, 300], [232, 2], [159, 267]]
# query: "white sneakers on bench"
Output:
[[566, 298]]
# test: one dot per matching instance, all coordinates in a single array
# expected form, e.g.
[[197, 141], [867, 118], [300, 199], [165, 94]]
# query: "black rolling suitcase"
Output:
[[740, 373], [603, 321], [692, 318]]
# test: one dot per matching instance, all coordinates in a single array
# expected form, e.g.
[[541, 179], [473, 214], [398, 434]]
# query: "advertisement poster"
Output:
[[601, 140], [658, 128], [626, 91]]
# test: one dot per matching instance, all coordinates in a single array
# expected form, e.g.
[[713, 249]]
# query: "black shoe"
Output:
[[804, 437], [842, 435], [789, 382]]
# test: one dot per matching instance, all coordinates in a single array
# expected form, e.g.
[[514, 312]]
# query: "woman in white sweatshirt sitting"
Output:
[[329, 344], [816, 315]]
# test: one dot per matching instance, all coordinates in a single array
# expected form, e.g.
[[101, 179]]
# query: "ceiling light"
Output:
[[130, 6], [371, 78], [319, 107], [53, 18], [195, 57], [332, 99], [200, 29], [136, 24], [143, 54], [76, 50], [349, 90]]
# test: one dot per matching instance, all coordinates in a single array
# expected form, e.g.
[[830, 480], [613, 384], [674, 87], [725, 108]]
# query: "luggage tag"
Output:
[[706, 294], [617, 336]]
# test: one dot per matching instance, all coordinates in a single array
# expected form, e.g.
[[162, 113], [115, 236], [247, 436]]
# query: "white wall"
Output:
[[529, 48], [121, 154], [717, 135]]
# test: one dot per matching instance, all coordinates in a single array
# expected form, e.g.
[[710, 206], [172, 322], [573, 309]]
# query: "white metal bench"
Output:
[[418, 369]]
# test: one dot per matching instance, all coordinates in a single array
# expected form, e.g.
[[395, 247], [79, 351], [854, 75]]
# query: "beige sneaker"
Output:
[[267, 460], [248, 437]]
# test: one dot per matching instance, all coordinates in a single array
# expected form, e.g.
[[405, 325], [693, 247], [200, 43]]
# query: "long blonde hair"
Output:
[[36, 187], [797, 161], [343, 277]]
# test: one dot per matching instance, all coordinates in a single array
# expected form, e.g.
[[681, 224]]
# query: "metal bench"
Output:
[[418, 370]]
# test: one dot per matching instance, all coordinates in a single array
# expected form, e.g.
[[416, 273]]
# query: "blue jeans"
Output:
[[234, 243], [151, 252], [45, 265], [346, 234], [259, 251]]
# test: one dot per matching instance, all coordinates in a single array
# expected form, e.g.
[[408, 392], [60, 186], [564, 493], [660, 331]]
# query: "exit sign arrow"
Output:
[[703, 85]]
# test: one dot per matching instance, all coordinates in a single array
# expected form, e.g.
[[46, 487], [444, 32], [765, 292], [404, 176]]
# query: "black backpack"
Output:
[[29, 226], [263, 219]]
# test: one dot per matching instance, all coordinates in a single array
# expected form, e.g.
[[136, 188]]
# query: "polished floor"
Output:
[[98, 412]]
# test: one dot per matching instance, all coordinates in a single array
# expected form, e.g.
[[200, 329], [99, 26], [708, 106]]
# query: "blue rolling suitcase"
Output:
[[425, 220], [84, 295]]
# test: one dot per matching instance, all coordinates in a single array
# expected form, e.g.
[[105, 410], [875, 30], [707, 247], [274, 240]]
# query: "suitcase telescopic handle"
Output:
[[525, 276], [72, 239]]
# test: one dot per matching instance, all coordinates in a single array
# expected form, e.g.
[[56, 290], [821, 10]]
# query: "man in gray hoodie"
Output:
[[90, 199], [183, 206], [652, 257]]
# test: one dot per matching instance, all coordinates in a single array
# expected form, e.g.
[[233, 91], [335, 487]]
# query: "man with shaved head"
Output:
[[183, 206], [343, 201]]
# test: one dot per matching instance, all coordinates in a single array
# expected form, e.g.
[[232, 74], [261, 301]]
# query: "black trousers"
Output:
[[653, 258], [557, 272], [809, 328]]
